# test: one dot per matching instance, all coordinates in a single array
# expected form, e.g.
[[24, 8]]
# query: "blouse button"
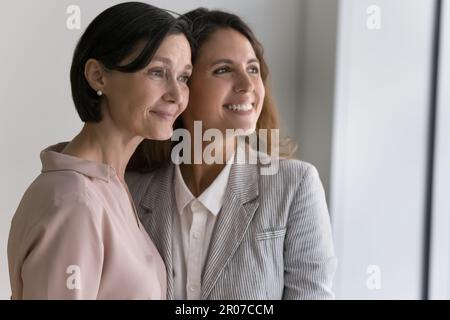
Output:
[[193, 287], [195, 205]]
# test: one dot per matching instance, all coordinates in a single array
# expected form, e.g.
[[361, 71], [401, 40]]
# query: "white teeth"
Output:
[[240, 107]]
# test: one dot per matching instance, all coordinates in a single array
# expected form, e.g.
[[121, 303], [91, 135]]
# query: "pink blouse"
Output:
[[75, 235]]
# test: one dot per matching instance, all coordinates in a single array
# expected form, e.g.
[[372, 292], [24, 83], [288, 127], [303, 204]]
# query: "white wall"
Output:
[[36, 106], [380, 148]]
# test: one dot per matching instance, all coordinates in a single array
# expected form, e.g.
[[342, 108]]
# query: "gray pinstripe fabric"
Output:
[[272, 238]]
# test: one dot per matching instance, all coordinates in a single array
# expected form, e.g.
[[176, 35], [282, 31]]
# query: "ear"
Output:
[[95, 75]]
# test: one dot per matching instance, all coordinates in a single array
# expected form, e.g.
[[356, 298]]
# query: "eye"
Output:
[[253, 69], [157, 73], [184, 78], [222, 70]]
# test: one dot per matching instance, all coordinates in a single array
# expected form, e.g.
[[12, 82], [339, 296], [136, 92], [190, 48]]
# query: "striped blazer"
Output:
[[272, 238]]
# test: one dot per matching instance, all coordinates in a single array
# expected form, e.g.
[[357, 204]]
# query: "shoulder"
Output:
[[61, 183], [292, 172], [64, 187], [58, 196], [289, 166]]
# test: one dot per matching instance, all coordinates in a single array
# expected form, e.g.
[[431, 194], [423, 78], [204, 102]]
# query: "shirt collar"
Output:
[[53, 160], [183, 196], [212, 198]]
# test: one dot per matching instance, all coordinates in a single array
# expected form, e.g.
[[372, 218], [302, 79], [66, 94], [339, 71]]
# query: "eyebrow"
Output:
[[169, 62], [228, 61]]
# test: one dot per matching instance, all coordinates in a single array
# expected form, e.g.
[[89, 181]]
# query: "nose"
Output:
[[243, 83], [173, 93]]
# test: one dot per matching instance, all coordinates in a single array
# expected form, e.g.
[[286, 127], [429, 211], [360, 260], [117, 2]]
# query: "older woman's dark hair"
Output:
[[110, 38]]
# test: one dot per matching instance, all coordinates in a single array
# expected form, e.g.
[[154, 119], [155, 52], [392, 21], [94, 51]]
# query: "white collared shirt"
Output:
[[193, 227]]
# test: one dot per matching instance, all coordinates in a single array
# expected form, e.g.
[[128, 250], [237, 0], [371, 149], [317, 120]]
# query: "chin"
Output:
[[160, 135], [166, 136], [246, 130]]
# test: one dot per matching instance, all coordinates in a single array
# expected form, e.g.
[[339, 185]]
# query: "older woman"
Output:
[[75, 234], [226, 230]]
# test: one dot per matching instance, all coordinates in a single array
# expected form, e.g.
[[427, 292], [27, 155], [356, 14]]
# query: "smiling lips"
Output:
[[164, 114], [240, 107]]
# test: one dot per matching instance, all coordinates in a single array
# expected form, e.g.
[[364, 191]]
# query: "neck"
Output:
[[198, 177], [101, 142]]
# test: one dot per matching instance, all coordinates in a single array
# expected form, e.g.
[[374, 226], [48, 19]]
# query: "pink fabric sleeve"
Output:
[[65, 254]]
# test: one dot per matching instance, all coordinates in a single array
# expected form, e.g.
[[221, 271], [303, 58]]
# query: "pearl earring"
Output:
[[99, 93]]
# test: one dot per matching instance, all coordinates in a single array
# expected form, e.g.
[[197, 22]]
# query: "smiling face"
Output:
[[226, 88], [147, 102]]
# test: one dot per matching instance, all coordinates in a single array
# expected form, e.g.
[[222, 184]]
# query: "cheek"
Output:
[[260, 88], [196, 103], [143, 91], [143, 97], [127, 91], [118, 91], [261, 92], [211, 92]]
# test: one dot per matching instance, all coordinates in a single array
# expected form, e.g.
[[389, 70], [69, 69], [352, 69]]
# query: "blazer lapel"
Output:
[[240, 204], [159, 204]]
